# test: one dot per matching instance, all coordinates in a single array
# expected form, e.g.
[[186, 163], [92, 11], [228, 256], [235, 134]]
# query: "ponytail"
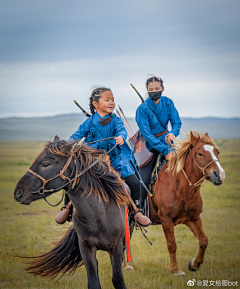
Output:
[[91, 106]]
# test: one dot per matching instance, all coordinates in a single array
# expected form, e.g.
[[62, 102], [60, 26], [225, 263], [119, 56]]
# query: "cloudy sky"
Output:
[[52, 52]]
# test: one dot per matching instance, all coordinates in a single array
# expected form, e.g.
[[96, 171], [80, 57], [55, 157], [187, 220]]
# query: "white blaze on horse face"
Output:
[[210, 149]]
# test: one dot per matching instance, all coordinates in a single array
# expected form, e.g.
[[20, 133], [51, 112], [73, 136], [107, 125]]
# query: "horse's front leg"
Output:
[[90, 261], [168, 228], [116, 256], [197, 229]]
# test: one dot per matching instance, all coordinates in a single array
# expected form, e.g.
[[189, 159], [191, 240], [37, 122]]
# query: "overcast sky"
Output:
[[52, 52]]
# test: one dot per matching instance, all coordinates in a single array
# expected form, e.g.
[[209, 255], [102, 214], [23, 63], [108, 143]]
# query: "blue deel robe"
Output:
[[150, 126], [93, 130]]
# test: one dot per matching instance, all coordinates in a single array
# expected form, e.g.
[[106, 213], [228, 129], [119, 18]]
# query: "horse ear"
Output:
[[206, 134], [56, 139], [74, 145], [193, 138]]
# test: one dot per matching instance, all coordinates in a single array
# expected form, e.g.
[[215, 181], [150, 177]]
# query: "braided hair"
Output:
[[95, 96], [154, 78], [92, 108]]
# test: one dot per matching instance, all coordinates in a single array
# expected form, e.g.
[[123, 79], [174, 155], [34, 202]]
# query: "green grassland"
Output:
[[27, 231]]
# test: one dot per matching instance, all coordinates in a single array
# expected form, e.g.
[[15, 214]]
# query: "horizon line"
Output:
[[128, 116]]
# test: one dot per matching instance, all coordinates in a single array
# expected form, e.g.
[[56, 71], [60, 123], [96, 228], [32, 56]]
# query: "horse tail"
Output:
[[64, 257]]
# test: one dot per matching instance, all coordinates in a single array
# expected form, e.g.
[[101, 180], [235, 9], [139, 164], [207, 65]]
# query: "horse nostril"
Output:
[[216, 174], [19, 193]]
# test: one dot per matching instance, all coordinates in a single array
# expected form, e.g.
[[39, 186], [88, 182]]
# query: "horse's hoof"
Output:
[[128, 267], [190, 267], [179, 273]]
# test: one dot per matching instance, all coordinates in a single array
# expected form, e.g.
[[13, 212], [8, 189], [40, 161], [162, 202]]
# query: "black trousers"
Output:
[[135, 187], [145, 173]]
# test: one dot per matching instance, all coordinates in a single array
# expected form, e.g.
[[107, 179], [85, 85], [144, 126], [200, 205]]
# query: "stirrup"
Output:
[[65, 207]]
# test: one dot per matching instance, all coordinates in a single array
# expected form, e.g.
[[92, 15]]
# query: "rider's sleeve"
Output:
[[144, 126], [120, 128], [174, 118], [81, 132]]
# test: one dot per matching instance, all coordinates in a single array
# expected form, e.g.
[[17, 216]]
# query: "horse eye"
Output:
[[201, 155], [44, 164], [218, 153]]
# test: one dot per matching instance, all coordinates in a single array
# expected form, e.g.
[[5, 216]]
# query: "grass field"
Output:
[[27, 230]]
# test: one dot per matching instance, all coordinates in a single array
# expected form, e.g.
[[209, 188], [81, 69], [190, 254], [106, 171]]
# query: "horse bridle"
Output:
[[41, 191], [198, 183]]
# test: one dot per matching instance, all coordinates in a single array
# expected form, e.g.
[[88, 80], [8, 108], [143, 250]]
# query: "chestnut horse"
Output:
[[177, 198], [98, 197]]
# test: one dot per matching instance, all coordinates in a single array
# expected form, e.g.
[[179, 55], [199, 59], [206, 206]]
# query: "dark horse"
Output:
[[98, 199], [177, 198]]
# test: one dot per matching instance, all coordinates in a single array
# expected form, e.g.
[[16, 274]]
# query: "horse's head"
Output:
[[205, 156], [73, 167], [44, 173]]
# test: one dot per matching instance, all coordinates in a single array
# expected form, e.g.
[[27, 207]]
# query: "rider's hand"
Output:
[[169, 156], [171, 136], [119, 140]]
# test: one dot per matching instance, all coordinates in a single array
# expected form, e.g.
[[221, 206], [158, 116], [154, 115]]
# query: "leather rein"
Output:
[[42, 191]]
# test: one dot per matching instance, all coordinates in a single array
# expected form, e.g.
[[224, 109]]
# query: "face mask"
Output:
[[155, 95]]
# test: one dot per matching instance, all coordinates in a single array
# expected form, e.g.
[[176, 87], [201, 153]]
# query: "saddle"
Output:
[[140, 151]]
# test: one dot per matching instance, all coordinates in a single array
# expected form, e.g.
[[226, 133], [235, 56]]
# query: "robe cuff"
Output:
[[167, 150]]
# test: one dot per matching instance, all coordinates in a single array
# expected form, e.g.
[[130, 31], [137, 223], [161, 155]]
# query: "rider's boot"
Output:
[[140, 217], [64, 214], [66, 211]]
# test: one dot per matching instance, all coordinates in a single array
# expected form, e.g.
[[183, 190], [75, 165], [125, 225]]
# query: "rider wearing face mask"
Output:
[[152, 117]]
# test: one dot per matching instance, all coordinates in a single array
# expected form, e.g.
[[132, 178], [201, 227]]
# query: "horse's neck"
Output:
[[83, 201], [86, 209], [91, 214]]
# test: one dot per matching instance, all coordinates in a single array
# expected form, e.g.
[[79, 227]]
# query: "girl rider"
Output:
[[103, 124]]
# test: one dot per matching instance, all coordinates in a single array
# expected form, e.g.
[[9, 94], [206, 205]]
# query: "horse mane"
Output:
[[101, 179], [176, 164]]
